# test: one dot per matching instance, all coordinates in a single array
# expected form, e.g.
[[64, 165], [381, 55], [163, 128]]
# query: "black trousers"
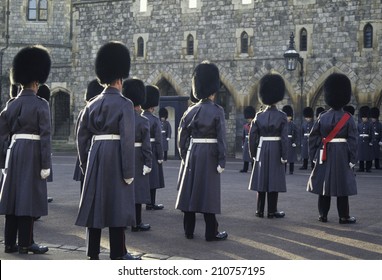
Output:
[[362, 165], [21, 225], [291, 167], [138, 214], [342, 206], [116, 240], [153, 194], [164, 155], [209, 219], [376, 163], [271, 200]]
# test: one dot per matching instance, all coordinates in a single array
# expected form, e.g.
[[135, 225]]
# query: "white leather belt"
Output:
[[338, 140], [15, 137], [137, 144], [376, 133], [246, 136], [290, 136], [26, 136], [306, 134], [265, 138], [204, 140], [163, 131], [364, 135], [106, 137], [152, 139]]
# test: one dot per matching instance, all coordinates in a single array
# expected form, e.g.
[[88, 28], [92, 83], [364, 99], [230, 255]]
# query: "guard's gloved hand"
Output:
[[4, 171], [168, 139], [146, 170], [45, 173], [160, 161], [283, 160], [380, 143], [129, 181], [220, 169], [351, 165], [370, 144], [294, 145]]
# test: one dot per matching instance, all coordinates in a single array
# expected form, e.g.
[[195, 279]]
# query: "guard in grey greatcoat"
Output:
[[365, 140], [135, 90], [93, 89], [156, 174], [292, 139], [306, 127], [249, 114], [165, 130], [26, 123], [202, 147], [334, 175], [268, 142], [108, 121], [377, 135]]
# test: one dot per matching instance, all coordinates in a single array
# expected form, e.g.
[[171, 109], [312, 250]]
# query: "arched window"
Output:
[[141, 47], [190, 45], [303, 40], [244, 42], [37, 10], [368, 36]]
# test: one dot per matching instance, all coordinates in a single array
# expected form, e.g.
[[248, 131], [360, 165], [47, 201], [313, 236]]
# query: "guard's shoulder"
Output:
[[40, 99]]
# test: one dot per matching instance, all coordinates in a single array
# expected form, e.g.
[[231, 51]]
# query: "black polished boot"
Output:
[[34, 248]]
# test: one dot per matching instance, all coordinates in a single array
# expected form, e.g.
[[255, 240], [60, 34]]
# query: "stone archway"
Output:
[[61, 119]]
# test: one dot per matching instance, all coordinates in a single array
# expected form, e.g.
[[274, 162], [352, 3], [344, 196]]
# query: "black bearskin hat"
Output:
[[135, 90], [152, 97], [350, 109], [319, 110], [337, 88], [288, 110], [13, 91], [374, 113], [94, 88], [308, 112], [44, 92], [249, 112], [163, 113], [364, 112], [30, 64], [272, 89], [112, 62], [205, 80]]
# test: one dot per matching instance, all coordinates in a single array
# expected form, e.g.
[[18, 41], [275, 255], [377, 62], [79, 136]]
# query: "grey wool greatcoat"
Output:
[[77, 175], [377, 137], [156, 175], [365, 141], [306, 127], [106, 199], [333, 177], [166, 134], [199, 188], [143, 156], [23, 192], [246, 155], [268, 173], [292, 139]]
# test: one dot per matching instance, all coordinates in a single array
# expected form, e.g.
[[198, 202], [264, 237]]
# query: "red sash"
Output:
[[334, 132]]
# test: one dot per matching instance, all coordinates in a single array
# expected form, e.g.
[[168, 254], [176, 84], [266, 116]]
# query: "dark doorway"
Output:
[[61, 115], [176, 106]]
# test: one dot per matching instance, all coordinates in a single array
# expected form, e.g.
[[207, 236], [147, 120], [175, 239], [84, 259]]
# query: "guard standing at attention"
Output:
[[108, 121], [202, 148], [249, 114], [93, 89], [333, 146], [292, 139], [156, 174], [135, 90], [377, 135], [165, 130], [306, 127], [268, 142], [25, 121], [365, 140]]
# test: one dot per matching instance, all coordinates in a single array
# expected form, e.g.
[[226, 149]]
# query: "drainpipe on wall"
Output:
[[2, 52]]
